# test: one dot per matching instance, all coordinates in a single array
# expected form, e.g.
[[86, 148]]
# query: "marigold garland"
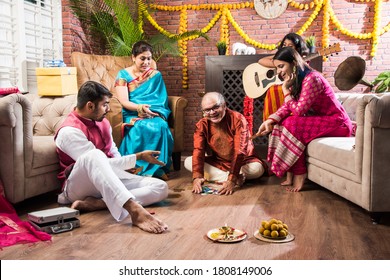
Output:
[[140, 16], [325, 24], [246, 37], [224, 37], [224, 13], [183, 48], [312, 17]]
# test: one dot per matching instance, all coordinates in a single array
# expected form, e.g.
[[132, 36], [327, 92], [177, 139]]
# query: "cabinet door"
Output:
[[217, 65]]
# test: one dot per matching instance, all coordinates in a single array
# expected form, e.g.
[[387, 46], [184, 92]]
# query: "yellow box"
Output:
[[56, 81]]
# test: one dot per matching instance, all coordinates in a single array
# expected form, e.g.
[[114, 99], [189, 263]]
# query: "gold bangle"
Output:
[[140, 110]]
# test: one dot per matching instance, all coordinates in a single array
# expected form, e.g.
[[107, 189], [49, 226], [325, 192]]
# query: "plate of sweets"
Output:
[[273, 230], [226, 234]]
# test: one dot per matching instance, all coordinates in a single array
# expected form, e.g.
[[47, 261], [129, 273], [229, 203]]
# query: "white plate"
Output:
[[238, 235], [288, 238]]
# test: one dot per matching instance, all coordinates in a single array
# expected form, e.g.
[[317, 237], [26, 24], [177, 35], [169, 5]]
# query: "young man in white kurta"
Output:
[[97, 177]]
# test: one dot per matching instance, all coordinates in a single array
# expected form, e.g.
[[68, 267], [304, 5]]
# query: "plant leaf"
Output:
[[380, 88], [382, 78], [384, 75], [387, 82]]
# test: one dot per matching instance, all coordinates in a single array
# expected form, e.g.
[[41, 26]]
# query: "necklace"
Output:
[[135, 74]]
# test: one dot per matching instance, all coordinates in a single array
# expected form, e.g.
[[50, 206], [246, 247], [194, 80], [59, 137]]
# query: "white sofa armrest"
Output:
[[16, 143], [374, 114]]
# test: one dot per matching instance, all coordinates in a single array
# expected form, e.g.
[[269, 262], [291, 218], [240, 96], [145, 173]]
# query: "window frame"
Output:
[[30, 33]]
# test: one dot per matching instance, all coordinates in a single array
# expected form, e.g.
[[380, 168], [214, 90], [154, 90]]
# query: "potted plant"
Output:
[[311, 43], [382, 82], [115, 26], [222, 47]]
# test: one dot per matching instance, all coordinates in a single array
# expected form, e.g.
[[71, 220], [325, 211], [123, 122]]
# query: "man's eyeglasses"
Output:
[[214, 108]]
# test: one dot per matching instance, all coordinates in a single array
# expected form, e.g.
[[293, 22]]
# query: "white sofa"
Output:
[[357, 168]]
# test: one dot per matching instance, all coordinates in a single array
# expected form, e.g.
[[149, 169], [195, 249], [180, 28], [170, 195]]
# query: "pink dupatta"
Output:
[[12, 229]]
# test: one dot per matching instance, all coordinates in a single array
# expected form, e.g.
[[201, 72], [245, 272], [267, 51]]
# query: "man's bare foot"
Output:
[[164, 177], [143, 219], [298, 182], [89, 204], [288, 181], [241, 180]]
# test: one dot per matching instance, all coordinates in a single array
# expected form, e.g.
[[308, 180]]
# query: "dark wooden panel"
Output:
[[215, 65]]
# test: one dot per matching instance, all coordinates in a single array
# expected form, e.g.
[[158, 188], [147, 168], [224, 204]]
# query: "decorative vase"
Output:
[[312, 49]]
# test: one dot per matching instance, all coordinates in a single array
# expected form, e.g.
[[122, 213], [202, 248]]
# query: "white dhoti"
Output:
[[251, 170], [98, 176]]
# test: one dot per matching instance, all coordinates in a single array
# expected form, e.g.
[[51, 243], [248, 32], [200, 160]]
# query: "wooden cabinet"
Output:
[[217, 68]]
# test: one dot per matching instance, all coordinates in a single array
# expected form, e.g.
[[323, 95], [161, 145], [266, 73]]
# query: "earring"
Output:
[[294, 69]]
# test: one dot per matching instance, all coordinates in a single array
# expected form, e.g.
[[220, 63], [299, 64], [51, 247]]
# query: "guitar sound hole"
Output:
[[270, 74]]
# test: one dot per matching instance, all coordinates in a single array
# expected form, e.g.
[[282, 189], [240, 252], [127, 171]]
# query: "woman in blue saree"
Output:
[[141, 91]]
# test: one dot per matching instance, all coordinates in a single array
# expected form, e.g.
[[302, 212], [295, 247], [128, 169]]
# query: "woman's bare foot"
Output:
[[143, 219], [298, 182], [288, 181], [89, 204]]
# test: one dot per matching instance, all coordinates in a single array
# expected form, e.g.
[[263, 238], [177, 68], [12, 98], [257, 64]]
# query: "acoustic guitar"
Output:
[[257, 79]]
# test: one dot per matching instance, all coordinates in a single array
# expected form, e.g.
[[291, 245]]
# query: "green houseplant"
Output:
[[115, 25], [222, 47], [382, 82], [311, 43]]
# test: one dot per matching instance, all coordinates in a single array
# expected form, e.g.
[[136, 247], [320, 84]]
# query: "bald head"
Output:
[[213, 96], [213, 106]]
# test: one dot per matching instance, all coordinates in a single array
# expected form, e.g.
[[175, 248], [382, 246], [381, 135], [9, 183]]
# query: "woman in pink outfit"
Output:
[[311, 110]]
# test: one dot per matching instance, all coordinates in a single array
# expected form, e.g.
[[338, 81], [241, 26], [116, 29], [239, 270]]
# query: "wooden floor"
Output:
[[325, 226]]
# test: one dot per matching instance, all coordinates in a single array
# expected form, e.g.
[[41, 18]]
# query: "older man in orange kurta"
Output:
[[222, 149]]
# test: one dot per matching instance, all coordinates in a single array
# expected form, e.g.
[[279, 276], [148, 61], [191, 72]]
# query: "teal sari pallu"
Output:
[[149, 133]]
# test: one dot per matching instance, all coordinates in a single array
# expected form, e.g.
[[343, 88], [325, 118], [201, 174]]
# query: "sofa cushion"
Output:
[[48, 113], [350, 103], [336, 153], [45, 157]]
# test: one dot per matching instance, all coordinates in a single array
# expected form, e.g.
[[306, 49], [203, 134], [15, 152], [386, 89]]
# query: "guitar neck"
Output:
[[324, 52], [311, 56]]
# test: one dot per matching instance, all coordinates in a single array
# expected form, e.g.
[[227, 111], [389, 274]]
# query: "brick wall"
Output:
[[355, 16], [74, 38]]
